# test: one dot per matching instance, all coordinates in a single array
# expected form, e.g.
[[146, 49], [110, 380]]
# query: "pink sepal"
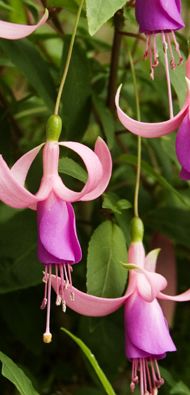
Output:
[[183, 297], [88, 305], [151, 260], [20, 169], [149, 130], [149, 284], [188, 67], [104, 156], [98, 165], [14, 31], [11, 192]]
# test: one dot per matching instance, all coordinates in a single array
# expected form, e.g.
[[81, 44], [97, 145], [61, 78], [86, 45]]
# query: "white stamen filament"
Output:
[[47, 336]]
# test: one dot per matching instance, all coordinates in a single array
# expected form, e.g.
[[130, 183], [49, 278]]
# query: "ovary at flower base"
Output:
[[15, 31], [147, 337], [58, 244], [159, 17], [158, 129]]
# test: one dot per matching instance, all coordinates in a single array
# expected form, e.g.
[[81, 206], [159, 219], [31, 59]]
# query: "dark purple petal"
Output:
[[147, 332], [57, 237], [183, 145], [184, 174], [158, 15]]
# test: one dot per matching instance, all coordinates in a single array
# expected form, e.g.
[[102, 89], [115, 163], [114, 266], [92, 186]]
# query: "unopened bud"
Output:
[[53, 128], [137, 229]]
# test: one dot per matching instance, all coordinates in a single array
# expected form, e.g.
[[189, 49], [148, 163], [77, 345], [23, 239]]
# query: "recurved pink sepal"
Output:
[[86, 304], [149, 130], [14, 31]]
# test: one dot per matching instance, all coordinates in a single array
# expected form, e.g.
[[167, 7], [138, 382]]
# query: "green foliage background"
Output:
[[30, 72]]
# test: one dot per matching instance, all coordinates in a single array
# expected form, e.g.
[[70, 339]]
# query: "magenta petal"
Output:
[[184, 174], [183, 144], [158, 15], [88, 305], [57, 237], [146, 329]]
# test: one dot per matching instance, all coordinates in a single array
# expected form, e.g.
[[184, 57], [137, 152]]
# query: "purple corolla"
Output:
[[147, 337], [159, 17]]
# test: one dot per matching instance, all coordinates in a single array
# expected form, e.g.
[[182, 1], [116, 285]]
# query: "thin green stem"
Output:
[[139, 145], [69, 55]]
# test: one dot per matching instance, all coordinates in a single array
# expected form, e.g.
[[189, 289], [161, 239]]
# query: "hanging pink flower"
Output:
[[159, 17], [147, 337], [158, 129], [14, 31], [58, 244]]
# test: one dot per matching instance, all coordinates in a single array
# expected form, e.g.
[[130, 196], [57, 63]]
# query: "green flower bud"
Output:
[[137, 229], [53, 128]]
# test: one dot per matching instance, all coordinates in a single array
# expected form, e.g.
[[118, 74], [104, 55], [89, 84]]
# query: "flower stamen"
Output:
[[177, 48], [47, 336], [172, 61], [147, 372]]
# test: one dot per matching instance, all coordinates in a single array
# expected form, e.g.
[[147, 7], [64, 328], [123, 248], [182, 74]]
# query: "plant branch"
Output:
[[117, 41]]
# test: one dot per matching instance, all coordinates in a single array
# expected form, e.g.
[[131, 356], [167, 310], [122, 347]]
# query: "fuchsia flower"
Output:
[[147, 337], [159, 16], [14, 31], [58, 245], [158, 129]]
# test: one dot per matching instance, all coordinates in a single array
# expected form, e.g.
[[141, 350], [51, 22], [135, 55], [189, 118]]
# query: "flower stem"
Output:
[[139, 144], [68, 60]]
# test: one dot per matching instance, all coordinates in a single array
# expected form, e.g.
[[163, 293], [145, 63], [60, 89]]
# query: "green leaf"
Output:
[[71, 168], [106, 119], [14, 374], [163, 220], [180, 388], [70, 5], [17, 14], [107, 249], [112, 202], [19, 267], [29, 60], [177, 76], [132, 160], [99, 11], [77, 92], [91, 358], [5, 6]]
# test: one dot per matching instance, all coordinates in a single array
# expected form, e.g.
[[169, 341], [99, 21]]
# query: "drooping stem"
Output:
[[139, 145], [165, 48], [116, 46], [68, 60]]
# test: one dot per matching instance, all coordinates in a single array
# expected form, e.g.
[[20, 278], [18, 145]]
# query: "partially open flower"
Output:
[[147, 337], [159, 17], [15, 31], [58, 245]]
